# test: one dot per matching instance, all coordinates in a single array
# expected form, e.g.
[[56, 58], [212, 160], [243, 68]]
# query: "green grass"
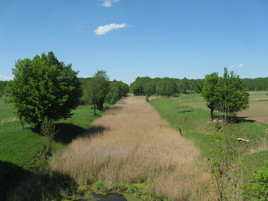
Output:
[[186, 113], [22, 147], [6, 111]]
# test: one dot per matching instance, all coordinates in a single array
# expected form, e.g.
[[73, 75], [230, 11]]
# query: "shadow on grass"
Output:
[[9, 175], [94, 130], [183, 111], [234, 119], [17, 184], [67, 132]]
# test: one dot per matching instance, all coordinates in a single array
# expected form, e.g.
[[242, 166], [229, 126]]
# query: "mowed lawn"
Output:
[[23, 147]]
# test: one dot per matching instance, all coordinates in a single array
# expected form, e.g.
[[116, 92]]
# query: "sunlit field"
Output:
[[258, 105]]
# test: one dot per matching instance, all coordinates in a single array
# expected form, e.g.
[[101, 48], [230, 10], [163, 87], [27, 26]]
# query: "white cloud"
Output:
[[108, 3], [101, 30], [236, 66], [5, 78]]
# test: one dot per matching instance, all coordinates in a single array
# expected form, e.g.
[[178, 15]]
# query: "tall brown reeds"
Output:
[[131, 144]]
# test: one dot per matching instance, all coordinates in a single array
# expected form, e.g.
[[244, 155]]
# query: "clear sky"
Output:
[[130, 38]]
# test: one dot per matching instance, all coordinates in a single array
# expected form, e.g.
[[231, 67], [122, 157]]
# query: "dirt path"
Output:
[[131, 144]]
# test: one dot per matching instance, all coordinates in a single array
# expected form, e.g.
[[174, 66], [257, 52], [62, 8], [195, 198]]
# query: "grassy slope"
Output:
[[195, 125], [20, 146]]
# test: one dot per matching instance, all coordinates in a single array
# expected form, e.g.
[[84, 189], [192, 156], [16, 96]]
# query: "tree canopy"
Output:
[[226, 94], [44, 88]]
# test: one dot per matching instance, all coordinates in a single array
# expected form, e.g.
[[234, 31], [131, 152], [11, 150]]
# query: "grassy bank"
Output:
[[21, 148], [188, 114]]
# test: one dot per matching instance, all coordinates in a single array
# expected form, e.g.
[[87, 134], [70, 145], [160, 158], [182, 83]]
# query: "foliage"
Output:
[[96, 90], [232, 93], [256, 84], [225, 94], [143, 86], [48, 129], [3, 87], [166, 87], [44, 88], [226, 168], [210, 91], [117, 90], [257, 190]]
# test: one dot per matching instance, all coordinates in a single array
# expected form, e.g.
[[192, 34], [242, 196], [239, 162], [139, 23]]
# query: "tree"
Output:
[[96, 90], [44, 88], [233, 96], [210, 90], [226, 94], [117, 90], [166, 87]]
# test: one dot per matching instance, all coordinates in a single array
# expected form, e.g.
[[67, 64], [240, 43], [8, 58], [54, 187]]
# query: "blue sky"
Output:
[[130, 38]]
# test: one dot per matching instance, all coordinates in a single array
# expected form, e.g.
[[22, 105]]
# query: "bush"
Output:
[[257, 190]]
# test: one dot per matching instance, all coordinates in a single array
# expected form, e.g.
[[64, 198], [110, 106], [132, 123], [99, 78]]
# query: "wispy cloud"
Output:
[[5, 78], [108, 3], [236, 66], [101, 30]]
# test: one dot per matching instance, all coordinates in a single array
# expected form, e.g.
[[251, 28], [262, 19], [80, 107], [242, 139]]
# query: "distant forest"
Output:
[[170, 86]]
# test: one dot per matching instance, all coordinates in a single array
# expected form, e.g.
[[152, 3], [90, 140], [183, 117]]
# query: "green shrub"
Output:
[[257, 190]]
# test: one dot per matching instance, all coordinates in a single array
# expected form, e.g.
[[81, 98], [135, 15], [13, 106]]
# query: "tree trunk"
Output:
[[94, 110], [211, 113]]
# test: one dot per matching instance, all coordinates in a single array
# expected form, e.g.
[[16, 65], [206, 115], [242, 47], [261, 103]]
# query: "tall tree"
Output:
[[44, 88], [96, 90]]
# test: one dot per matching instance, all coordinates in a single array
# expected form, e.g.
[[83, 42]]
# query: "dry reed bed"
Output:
[[134, 145]]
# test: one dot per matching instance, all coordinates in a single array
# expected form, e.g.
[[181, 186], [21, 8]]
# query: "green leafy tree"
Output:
[[117, 90], [233, 96], [96, 90], [210, 91], [44, 88], [166, 87], [226, 94]]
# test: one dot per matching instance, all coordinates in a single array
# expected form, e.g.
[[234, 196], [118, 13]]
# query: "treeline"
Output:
[[112, 91], [172, 86], [256, 84], [165, 86], [3, 87]]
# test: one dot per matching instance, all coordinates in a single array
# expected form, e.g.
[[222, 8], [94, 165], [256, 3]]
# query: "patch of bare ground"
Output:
[[134, 145]]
